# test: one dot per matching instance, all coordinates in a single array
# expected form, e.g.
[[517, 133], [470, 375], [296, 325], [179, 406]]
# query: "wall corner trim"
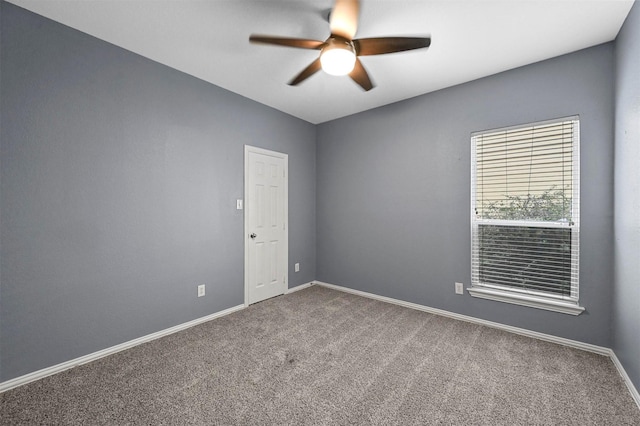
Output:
[[58, 368], [600, 350]]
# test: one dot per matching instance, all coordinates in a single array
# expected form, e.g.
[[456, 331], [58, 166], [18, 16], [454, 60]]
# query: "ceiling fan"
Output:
[[339, 53]]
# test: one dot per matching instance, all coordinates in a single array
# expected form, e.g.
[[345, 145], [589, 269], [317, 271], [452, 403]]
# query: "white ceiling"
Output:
[[470, 39]]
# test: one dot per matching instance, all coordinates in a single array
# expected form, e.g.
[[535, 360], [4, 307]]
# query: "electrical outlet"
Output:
[[297, 267], [201, 290], [459, 288]]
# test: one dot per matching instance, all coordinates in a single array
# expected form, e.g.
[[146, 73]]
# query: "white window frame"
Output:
[[526, 297]]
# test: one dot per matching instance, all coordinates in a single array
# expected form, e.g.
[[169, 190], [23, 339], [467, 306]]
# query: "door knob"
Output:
[[253, 236]]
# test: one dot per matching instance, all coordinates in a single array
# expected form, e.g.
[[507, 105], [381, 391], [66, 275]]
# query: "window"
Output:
[[525, 218]]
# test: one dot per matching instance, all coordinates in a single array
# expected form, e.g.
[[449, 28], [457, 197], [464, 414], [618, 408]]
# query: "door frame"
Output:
[[285, 157]]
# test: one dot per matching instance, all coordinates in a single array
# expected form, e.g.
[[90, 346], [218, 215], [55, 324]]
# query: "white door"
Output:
[[266, 235]]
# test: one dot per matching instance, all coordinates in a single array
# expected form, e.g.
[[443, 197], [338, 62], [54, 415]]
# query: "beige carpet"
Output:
[[320, 356]]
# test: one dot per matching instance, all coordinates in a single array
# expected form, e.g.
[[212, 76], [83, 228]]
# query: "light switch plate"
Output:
[[239, 204]]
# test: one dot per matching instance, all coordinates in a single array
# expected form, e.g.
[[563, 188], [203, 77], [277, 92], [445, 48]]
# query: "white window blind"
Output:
[[525, 210]]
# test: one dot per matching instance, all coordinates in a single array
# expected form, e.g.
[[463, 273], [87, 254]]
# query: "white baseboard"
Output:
[[37, 375], [299, 287], [627, 380], [516, 330]]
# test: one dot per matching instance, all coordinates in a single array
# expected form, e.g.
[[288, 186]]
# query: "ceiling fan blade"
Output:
[[344, 18], [287, 41], [360, 76], [313, 68], [381, 45]]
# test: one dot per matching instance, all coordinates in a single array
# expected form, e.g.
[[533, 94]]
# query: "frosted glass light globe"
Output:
[[338, 59]]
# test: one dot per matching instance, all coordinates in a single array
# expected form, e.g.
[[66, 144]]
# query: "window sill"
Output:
[[526, 300]]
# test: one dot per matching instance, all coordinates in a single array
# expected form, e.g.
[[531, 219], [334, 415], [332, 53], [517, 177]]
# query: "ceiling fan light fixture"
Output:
[[340, 52], [338, 57]]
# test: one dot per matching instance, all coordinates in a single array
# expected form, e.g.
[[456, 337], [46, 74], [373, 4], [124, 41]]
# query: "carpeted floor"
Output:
[[321, 356]]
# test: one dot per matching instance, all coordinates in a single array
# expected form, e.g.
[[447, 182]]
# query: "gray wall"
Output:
[[119, 180], [393, 190], [626, 301]]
